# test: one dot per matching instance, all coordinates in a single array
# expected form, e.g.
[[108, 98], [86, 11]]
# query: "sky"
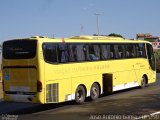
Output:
[[65, 18]]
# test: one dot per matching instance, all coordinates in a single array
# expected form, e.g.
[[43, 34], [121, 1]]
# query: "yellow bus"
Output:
[[46, 70]]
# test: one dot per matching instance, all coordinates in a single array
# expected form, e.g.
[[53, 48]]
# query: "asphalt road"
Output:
[[124, 105]]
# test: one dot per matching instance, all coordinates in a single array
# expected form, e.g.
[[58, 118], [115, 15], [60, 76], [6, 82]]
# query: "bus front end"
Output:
[[21, 80]]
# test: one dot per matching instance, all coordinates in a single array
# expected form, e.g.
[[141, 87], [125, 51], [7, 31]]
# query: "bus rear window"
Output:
[[19, 49]]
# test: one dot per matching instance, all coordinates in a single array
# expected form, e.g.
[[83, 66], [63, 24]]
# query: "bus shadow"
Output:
[[40, 108]]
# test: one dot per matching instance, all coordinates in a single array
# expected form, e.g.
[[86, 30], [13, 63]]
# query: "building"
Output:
[[148, 37]]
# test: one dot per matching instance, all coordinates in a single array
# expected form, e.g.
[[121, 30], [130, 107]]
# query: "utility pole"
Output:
[[97, 15]]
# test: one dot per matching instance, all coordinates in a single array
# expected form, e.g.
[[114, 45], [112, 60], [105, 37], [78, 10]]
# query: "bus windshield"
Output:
[[19, 49]]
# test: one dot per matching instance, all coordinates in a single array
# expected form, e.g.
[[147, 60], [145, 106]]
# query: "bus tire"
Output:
[[80, 94], [143, 82], [95, 91]]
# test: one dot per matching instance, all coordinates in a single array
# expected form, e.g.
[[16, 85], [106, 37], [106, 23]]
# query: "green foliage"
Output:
[[112, 35], [115, 35]]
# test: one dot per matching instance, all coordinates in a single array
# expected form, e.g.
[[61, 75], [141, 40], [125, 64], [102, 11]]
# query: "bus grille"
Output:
[[52, 93]]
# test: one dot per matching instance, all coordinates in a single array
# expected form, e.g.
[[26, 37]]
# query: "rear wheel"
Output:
[[80, 95], [95, 91]]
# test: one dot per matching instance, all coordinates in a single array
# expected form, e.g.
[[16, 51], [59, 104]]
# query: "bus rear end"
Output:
[[20, 74]]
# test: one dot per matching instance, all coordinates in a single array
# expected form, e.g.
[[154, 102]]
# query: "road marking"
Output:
[[146, 116]]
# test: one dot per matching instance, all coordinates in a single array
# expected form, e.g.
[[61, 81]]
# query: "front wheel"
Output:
[[143, 82], [95, 91], [80, 95]]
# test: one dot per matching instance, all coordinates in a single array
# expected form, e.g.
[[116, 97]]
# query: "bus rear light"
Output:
[[39, 86]]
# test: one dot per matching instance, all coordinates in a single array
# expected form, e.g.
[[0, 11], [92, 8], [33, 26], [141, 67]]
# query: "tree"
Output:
[[115, 35]]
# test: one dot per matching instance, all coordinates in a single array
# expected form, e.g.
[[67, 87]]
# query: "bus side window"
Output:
[[80, 52], [140, 53], [121, 51], [71, 50], [94, 52], [112, 52], [136, 50], [111, 55], [116, 52], [50, 52], [127, 54], [86, 52], [134, 53], [62, 53], [130, 51], [141, 50], [104, 52], [127, 51], [97, 51]]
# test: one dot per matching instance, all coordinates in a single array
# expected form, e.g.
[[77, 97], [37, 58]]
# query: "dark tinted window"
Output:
[[62, 52], [105, 51], [19, 49], [50, 52], [73, 52], [121, 51], [94, 52], [131, 51], [116, 52], [112, 52], [141, 50], [77, 52], [80, 52], [151, 57]]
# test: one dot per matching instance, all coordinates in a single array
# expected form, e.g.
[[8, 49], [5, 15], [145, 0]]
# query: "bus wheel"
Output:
[[95, 91], [143, 82], [80, 95]]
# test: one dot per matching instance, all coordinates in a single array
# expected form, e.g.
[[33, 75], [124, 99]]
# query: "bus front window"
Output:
[[151, 57]]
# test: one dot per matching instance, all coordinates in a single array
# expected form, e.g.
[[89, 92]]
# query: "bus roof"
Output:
[[85, 39]]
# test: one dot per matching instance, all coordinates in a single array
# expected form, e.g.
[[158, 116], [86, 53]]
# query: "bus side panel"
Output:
[[57, 84], [146, 70], [58, 91], [124, 74]]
